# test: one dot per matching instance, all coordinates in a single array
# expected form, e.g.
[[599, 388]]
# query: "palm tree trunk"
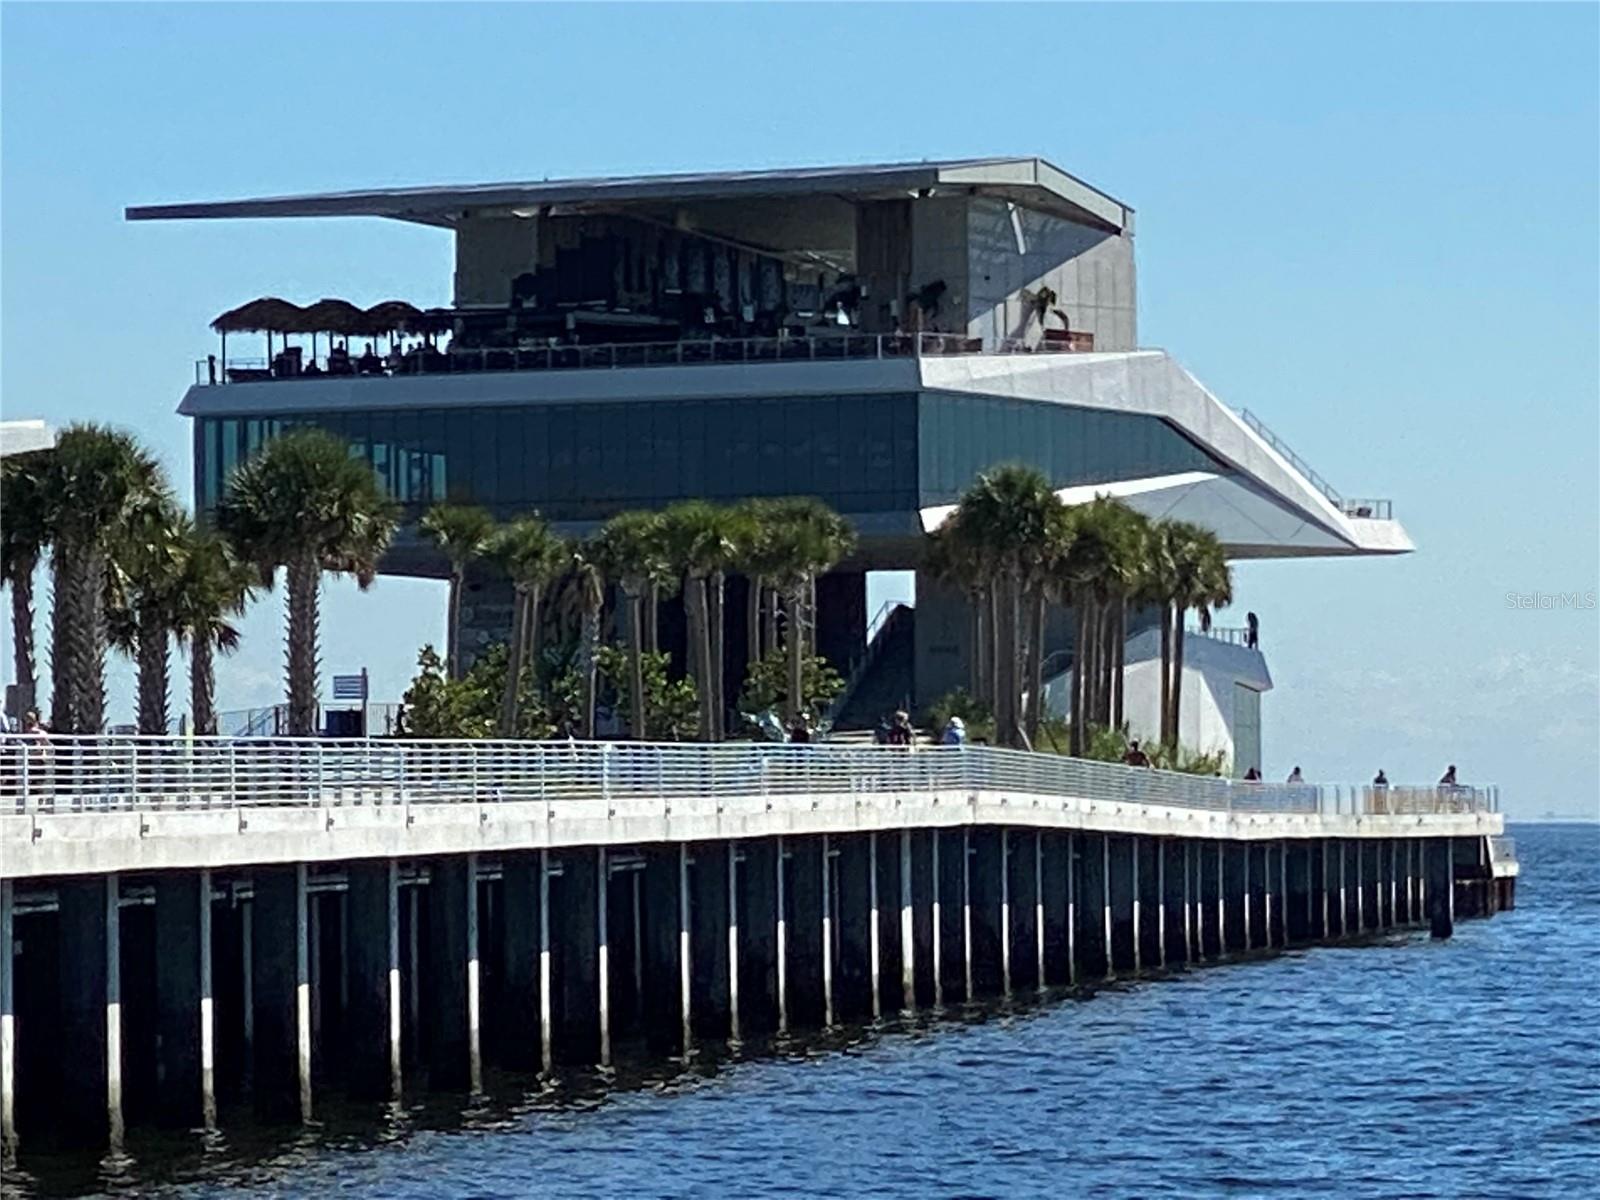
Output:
[[304, 576], [1177, 674], [811, 618], [86, 652], [717, 593], [993, 646], [977, 664], [63, 617], [1119, 664], [203, 686], [651, 617], [1080, 684], [515, 652], [1108, 659], [590, 635], [795, 636], [1036, 667], [1167, 672], [636, 665], [699, 644], [22, 628], [769, 636], [453, 633], [752, 621], [154, 680]]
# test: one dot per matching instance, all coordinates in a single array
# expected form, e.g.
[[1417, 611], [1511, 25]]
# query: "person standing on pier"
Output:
[[1295, 776], [1252, 631]]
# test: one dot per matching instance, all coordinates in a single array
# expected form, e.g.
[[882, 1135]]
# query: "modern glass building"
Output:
[[875, 336]]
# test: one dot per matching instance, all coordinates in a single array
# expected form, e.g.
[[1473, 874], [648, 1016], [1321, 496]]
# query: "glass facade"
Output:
[[587, 461], [859, 453], [962, 435]]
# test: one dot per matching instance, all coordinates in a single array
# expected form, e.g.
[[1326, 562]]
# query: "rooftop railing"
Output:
[[685, 351], [1234, 635], [1382, 510], [108, 774]]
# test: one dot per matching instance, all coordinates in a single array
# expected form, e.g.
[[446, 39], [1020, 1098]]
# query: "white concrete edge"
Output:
[[39, 845]]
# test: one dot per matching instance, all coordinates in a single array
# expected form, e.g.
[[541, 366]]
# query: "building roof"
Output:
[[1030, 181]]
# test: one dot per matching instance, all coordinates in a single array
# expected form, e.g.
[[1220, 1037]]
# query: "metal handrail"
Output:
[[608, 355], [1234, 635], [109, 773]]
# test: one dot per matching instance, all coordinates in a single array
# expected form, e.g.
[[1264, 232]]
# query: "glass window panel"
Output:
[[511, 478]]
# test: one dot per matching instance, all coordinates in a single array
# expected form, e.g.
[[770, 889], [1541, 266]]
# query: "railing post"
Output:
[[400, 774], [321, 799]]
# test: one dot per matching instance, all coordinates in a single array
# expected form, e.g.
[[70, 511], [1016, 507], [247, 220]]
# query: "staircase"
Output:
[[881, 682]]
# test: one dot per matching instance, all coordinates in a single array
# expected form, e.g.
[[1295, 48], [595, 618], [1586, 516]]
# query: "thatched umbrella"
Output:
[[333, 316], [267, 315], [393, 316]]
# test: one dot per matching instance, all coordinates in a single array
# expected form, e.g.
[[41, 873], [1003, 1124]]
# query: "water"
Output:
[[1400, 1068]]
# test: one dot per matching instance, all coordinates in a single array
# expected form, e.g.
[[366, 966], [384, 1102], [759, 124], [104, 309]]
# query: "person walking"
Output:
[[1252, 631], [1296, 777]]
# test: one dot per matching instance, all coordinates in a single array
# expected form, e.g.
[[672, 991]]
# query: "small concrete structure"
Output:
[[276, 919]]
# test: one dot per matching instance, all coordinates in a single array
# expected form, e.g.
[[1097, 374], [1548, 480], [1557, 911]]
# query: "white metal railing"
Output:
[[541, 356], [97, 774], [1234, 635]]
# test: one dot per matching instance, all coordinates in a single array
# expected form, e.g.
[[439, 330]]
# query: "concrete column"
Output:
[[1221, 898], [1394, 880], [247, 994], [733, 940], [179, 899], [1248, 852], [782, 949], [515, 1035], [1038, 909], [8, 1027], [1161, 903], [908, 944], [807, 949], [1005, 912], [602, 952], [874, 927], [1440, 860], [1074, 845], [1053, 909], [575, 934], [113, 1015], [1134, 847], [709, 920], [758, 907], [966, 913], [922, 974], [1422, 879], [986, 905], [1122, 878], [1022, 902], [1108, 944], [373, 968], [936, 916], [447, 1036], [857, 920], [685, 949], [828, 934], [83, 1046], [1190, 907], [413, 1018], [1236, 890], [1345, 905], [281, 980], [1361, 886], [661, 933], [1411, 880], [1296, 892], [950, 875], [1271, 872]]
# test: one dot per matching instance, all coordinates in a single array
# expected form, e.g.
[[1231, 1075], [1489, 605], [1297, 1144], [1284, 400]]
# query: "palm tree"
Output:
[[144, 593], [1009, 520], [214, 586], [691, 531], [24, 534], [1203, 582], [98, 479], [533, 556], [631, 547], [588, 596], [463, 532], [807, 539], [305, 504]]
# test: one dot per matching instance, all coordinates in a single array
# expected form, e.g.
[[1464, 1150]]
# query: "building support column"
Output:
[[828, 937], [1005, 912], [373, 969], [1440, 854], [808, 943], [281, 981], [576, 950], [781, 913], [447, 1039], [516, 1033], [1236, 887], [950, 913], [966, 912], [908, 942], [874, 927], [1135, 844], [923, 976], [8, 1027], [1106, 909], [1054, 901], [759, 904], [181, 993], [986, 899], [857, 919], [1074, 843], [602, 953], [732, 872]]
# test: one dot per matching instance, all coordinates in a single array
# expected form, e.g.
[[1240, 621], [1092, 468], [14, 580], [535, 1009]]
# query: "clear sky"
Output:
[[1375, 226]]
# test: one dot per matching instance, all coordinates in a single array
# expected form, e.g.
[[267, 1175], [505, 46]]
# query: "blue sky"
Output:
[[1375, 226]]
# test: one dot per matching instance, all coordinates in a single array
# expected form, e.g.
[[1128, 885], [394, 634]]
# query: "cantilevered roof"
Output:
[[1030, 181]]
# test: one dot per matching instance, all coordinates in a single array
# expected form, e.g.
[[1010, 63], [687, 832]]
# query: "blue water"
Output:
[[1403, 1067]]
